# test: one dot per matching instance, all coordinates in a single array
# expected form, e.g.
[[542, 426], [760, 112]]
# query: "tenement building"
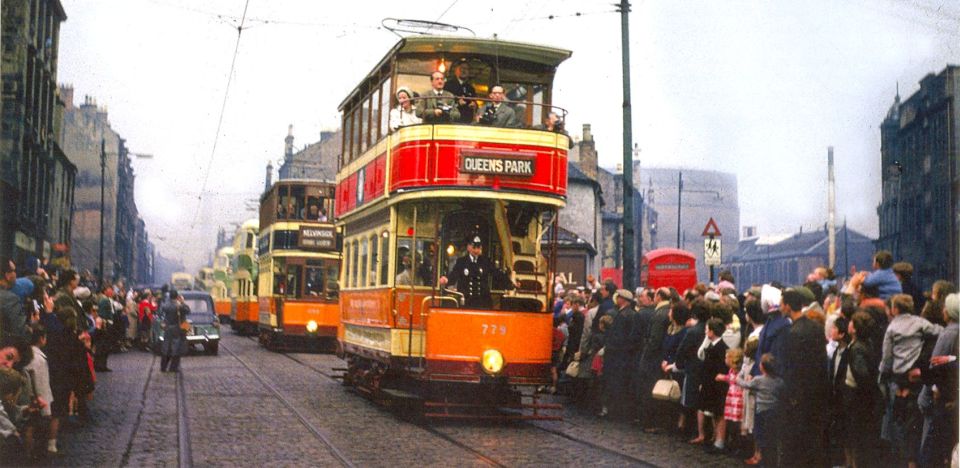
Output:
[[36, 177], [918, 158]]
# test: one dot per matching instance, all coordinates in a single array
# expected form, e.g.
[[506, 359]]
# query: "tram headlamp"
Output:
[[312, 326], [492, 361]]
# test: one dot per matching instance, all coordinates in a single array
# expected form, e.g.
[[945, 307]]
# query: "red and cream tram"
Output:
[[407, 201]]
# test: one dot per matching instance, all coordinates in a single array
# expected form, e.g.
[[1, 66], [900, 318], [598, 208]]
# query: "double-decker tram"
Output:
[[416, 200], [299, 264], [220, 291], [244, 308]]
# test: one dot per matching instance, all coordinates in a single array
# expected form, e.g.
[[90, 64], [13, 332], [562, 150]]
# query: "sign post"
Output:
[[711, 246]]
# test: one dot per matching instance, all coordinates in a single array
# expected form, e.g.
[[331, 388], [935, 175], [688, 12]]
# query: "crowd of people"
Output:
[[860, 372], [57, 332]]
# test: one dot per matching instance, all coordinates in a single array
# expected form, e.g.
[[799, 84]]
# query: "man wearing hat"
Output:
[[472, 274], [619, 356]]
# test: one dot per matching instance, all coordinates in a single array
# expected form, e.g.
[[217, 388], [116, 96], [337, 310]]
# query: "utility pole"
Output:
[[629, 260], [679, 206], [832, 210], [103, 183]]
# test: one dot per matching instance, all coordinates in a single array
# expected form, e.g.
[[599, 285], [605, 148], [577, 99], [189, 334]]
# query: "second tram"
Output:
[[299, 264], [410, 199], [244, 310], [220, 291]]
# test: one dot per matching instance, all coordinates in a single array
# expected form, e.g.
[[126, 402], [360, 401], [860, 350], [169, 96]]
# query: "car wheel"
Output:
[[212, 348]]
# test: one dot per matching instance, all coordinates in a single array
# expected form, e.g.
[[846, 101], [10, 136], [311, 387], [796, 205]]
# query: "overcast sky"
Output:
[[759, 89]]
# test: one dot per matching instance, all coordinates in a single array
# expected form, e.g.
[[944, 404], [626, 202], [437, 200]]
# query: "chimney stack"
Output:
[[288, 144], [588, 153], [832, 210], [268, 180]]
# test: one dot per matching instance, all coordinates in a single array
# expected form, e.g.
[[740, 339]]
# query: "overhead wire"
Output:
[[223, 108]]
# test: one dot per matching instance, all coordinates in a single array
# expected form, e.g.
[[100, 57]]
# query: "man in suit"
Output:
[[806, 386], [496, 113], [472, 274], [657, 322], [438, 106], [463, 90]]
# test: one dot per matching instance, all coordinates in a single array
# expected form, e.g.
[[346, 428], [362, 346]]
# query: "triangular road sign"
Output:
[[711, 229]]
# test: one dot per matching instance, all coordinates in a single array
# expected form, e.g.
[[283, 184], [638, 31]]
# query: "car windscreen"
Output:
[[201, 310]]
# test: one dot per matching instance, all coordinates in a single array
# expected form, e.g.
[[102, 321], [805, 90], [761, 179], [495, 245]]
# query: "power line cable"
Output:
[[223, 108]]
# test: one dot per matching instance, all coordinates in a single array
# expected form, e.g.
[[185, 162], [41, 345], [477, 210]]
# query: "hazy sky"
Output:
[[759, 89]]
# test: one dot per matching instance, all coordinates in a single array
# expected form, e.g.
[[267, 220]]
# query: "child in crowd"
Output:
[[715, 390], [733, 405], [766, 388], [40, 371], [749, 399], [596, 349]]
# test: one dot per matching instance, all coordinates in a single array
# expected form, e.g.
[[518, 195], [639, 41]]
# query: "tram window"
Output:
[[293, 280], [285, 239], [384, 264], [374, 260], [418, 267], [331, 275], [364, 124], [384, 107], [357, 132], [316, 210], [250, 239], [354, 266], [539, 93], [313, 283], [363, 266]]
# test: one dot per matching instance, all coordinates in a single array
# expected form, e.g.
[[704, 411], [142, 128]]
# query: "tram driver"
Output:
[[472, 274]]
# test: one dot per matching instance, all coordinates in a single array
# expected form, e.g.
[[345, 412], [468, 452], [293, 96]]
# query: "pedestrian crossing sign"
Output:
[[711, 251]]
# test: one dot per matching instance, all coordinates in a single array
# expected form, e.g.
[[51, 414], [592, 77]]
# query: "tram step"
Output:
[[399, 394]]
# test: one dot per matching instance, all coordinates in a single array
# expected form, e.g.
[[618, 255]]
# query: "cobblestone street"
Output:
[[249, 407]]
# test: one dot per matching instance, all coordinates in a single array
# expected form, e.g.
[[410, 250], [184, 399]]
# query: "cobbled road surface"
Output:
[[252, 407]]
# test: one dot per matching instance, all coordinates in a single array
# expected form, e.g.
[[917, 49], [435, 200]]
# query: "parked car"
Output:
[[204, 324]]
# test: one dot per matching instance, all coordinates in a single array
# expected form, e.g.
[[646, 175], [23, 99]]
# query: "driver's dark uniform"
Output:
[[472, 277]]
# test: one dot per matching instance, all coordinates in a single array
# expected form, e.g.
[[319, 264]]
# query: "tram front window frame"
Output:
[[304, 278]]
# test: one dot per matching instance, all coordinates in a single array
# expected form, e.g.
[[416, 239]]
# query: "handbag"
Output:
[[597, 365], [666, 389], [573, 369]]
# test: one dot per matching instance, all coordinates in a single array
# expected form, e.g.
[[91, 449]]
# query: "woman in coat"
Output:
[[862, 403]]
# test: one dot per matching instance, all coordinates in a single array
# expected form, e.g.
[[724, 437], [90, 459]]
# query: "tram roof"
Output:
[[536, 53]]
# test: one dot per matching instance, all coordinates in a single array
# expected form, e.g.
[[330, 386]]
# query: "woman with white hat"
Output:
[[405, 112]]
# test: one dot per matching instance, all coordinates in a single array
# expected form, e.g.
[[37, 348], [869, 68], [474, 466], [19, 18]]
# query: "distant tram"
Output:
[[409, 200], [668, 267], [181, 280], [299, 263], [244, 310], [222, 282]]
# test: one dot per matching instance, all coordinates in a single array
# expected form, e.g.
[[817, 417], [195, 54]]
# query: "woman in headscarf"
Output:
[[405, 112]]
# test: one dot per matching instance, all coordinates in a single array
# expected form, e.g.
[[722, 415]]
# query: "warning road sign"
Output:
[[711, 229], [711, 251]]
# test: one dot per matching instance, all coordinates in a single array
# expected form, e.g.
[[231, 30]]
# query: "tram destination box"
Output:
[[495, 163], [318, 237]]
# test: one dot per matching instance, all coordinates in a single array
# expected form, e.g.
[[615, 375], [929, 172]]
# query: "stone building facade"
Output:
[[918, 158], [127, 250], [36, 176], [317, 161]]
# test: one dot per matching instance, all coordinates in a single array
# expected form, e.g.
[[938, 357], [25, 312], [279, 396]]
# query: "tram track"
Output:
[[184, 451], [486, 458], [334, 451]]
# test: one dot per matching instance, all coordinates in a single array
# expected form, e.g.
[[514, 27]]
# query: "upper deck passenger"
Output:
[[463, 90], [496, 113], [438, 106], [405, 113]]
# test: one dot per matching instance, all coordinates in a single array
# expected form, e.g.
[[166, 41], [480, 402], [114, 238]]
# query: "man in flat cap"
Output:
[[472, 274]]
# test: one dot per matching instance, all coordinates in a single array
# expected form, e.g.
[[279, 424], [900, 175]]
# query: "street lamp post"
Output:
[[103, 172]]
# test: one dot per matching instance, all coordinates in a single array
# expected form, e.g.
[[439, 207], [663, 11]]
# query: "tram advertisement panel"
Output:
[[318, 237]]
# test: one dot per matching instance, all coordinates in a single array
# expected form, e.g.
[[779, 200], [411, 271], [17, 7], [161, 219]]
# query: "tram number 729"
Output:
[[494, 329]]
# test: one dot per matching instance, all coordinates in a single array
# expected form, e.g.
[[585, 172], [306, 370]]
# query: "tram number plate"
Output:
[[494, 329]]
